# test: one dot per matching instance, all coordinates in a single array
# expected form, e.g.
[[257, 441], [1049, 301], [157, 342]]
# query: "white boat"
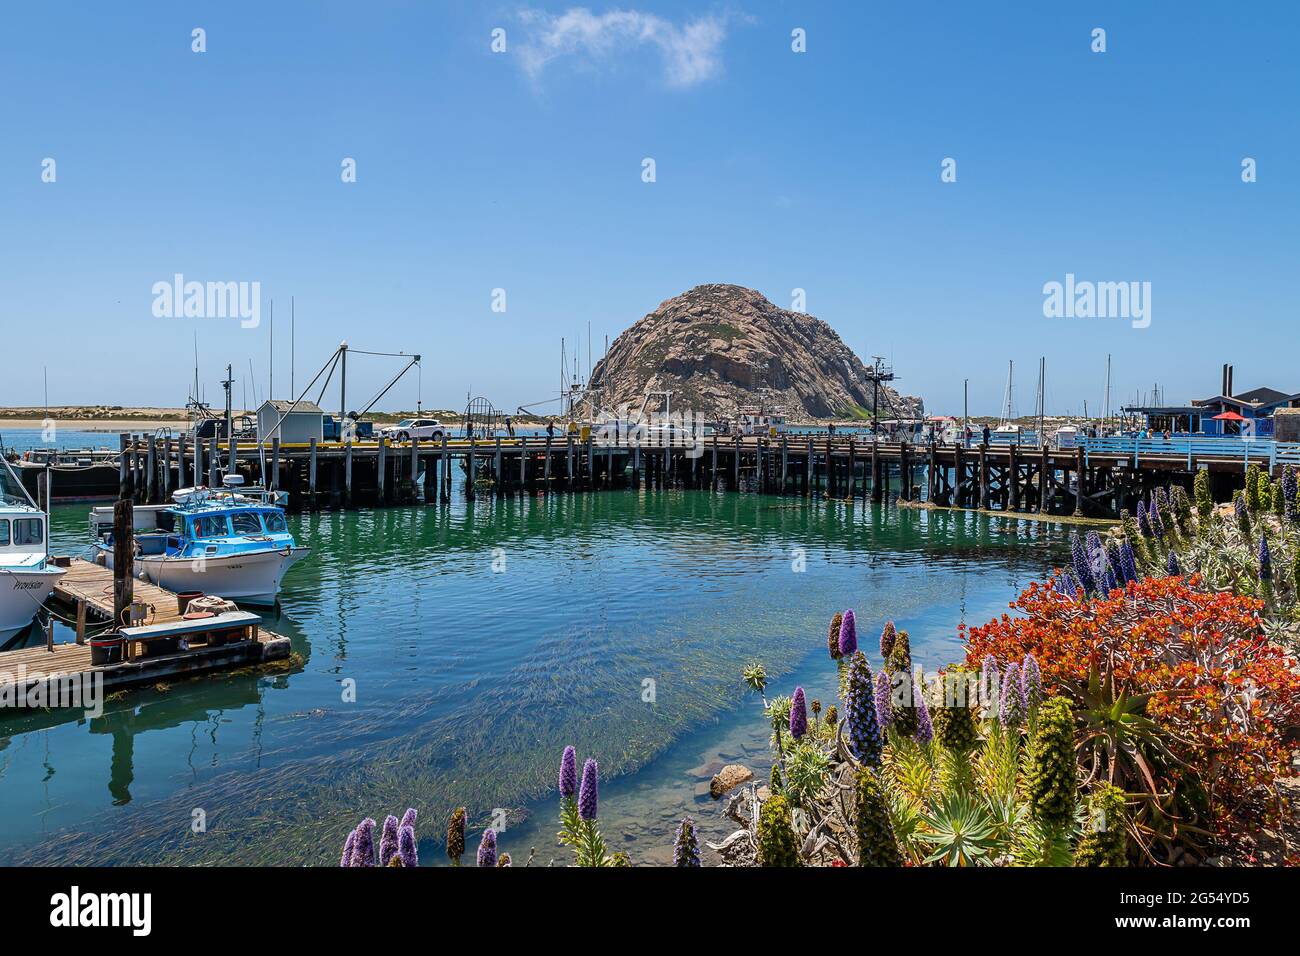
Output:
[[26, 576], [233, 542]]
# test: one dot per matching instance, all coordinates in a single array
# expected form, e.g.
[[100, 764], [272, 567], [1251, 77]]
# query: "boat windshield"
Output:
[[275, 522], [245, 522], [210, 526], [29, 532]]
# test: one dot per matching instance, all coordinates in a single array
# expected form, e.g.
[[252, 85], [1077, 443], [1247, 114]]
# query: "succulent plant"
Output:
[[777, 843], [877, 845], [1052, 782]]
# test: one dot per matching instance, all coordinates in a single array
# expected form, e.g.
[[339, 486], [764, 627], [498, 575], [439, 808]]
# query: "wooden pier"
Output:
[[362, 474], [88, 588]]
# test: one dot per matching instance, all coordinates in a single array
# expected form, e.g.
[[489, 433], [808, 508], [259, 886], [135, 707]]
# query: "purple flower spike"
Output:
[[588, 795], [1011, 707], [884, 701], [1031, 681], [924, 726], [1144, 523], [1129, 560], [798, 714], [887, 638], [569, 772], [363, 848], [1172, 566], [388, 840], [1081, 566], [1157, 523], [408, 818], [406, 845], [487, 848], [1265, 560], [347, 849], [990, 679], [848, 634]]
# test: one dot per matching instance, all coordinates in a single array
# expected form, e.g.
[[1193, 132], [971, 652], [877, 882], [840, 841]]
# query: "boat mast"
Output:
[[226, 383], [1105, 408], [1042, 395], [1006, 415]]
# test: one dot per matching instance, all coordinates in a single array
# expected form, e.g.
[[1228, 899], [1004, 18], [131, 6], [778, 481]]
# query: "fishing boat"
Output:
[[26, 575], [72, 474], [232, 541]]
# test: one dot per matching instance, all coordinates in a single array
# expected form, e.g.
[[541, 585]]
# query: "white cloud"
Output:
[[691, 52]]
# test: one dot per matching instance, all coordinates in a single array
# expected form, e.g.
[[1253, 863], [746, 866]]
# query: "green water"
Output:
[[482, 638]]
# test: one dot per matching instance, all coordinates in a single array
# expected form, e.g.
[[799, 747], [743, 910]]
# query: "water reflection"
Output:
[[470, 679]]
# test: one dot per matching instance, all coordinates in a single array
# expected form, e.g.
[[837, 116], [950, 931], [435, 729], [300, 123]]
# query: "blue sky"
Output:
[[522, 171]]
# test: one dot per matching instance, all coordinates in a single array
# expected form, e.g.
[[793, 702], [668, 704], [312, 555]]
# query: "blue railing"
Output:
[[1026, 439], [1247, 450]]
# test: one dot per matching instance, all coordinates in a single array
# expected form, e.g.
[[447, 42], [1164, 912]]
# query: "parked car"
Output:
[[421, 428]]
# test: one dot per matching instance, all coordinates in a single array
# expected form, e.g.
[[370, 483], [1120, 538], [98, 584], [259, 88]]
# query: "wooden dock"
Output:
[[344, 475], [44, 674]]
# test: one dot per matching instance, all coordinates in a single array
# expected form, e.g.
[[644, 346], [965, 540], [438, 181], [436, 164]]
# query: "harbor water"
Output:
[[446, 654]]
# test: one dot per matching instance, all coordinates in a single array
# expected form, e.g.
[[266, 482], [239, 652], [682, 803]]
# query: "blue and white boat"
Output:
[[27, 577], [233, 542]]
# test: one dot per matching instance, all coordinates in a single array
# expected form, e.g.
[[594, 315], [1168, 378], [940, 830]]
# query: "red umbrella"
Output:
[[1229, 417]]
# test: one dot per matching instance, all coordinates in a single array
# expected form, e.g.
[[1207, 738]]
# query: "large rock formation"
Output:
[[721, 347]]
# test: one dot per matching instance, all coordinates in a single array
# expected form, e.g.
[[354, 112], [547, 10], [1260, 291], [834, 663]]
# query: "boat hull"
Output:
[[97, 482], [21, 595], [250, 577]]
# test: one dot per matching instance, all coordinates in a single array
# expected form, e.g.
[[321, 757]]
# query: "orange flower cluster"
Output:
[[1225, 694]]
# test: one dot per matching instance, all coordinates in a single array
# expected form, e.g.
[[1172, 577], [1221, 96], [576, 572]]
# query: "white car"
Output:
[[421, 428]]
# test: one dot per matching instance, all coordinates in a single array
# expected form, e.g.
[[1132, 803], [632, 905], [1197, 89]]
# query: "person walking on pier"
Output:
[[510, 427], [550, 429], [987, 434]]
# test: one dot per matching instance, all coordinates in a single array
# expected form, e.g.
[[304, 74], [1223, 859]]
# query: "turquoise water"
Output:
[[482, 638]]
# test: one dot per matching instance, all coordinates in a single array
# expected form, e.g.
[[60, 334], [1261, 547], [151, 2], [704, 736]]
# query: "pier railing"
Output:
[[1247, 450]]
